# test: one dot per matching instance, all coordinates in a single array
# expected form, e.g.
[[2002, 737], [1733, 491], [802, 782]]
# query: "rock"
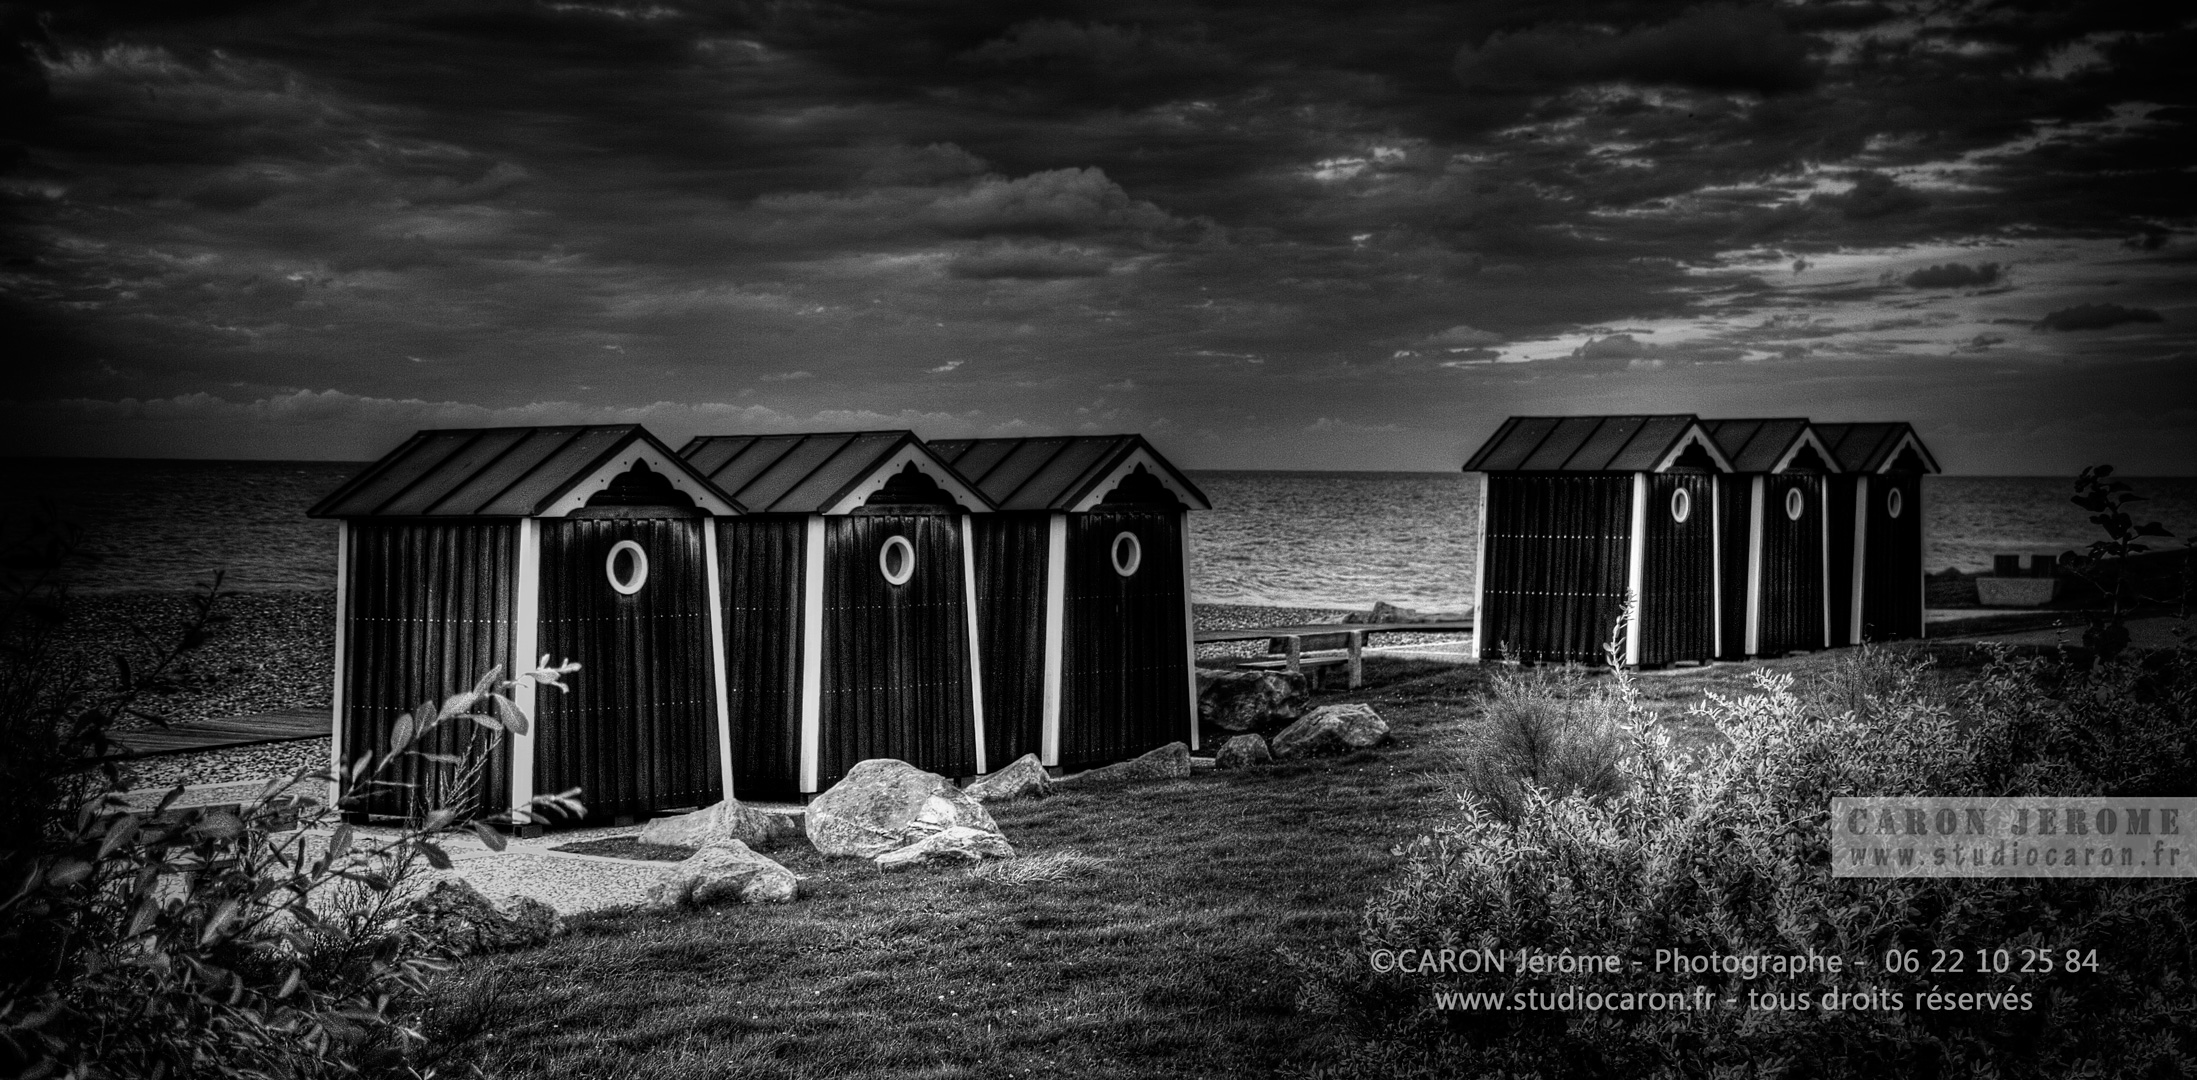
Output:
[[1170, 762], [1385, 612], [1250, 700], [728, 820], [1331, 729], [457, 919], [882, 805], [1242, 752], [957, 844], [724, 871], [1024, 779]]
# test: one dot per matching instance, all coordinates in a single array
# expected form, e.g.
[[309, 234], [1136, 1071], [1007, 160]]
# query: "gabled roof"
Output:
[[823, 473], [1070, 472], [1768, 445], [510, 472], [1874, 448], [1593, 444]]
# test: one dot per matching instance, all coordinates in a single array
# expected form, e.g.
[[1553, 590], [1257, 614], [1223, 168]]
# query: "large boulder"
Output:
[[456, 919], [1170, 762], [1242, 752], [957, 844], [883, 804], [1025, 778], [728, 820], [724, 871], [1331, 729], [1250, 700]]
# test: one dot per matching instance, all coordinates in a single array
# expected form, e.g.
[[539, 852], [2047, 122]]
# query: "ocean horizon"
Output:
[[1339, 539]]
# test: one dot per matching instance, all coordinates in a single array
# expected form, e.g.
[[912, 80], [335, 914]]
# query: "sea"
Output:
[[1333, 540]]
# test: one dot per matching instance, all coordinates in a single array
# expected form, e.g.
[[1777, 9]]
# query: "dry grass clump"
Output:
[[1556, 729], [1033, 869]]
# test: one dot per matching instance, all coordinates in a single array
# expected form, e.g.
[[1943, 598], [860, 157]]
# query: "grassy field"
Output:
[[1162, 947]]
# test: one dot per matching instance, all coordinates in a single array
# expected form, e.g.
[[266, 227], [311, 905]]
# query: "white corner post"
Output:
[[1823, 551], [976, 661], [1189, 623], [525, 640], [336, 774], [1480, 577], [717, 653], [1754, 567], [1636, 568], [1861, 556], [1056, 604], [812, 654], [1716, 565]]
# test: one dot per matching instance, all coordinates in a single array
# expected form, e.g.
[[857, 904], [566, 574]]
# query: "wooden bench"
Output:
[[1293, 659]]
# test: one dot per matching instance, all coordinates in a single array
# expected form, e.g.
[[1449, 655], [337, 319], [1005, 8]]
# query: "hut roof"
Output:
[[1876, 448], [511, 472], [1594, 444], [1773, 444], [1072, 472], [820, 473]]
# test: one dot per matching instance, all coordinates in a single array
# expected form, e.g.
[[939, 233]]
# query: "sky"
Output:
[[1279, 235]]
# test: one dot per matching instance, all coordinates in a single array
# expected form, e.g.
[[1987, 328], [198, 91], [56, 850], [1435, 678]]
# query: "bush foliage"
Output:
[[1730, 854]]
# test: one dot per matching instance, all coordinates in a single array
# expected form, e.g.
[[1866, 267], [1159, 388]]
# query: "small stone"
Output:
[[1170, 762], [883, 804], [1250, 700], [1242, 752], [725, 871], [1026, 778], [728, 820], [957, 844]]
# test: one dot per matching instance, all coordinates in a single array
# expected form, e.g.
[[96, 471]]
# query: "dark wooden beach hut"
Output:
[[463, 550], [1083, 596], [849, 607], [1777, 562], [1876, 530], [1577, 513]]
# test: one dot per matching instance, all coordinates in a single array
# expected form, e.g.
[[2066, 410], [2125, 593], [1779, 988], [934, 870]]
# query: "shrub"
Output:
[[1731, 855], [1558, 729], [186, 943]]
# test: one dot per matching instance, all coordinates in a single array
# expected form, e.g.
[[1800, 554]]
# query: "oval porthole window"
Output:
[[897, 560], [1128, 553], [627, 567], [1682, 505], [1794, 504], [1893, 503]]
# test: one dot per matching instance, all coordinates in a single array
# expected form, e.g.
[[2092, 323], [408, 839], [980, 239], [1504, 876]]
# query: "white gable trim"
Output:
[[1807, 438], [1905, 441], [677, 471], [1128, 465], [1694, 436], [925, 463]]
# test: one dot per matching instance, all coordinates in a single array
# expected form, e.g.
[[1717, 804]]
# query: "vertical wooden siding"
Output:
[[1792, 566], [895, 657], [1010, 601], [1892, 585], [429, 612], [1735, 508], [1841, 556], [761, 562], [1678, 610], [1555, 564], [1124, 658], [637, 732]]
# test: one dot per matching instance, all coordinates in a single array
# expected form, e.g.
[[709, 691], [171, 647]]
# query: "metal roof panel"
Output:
[[488, 483], [1608, 439], [453, 472], [1645, 450], [1065, 476], [530, 493], [365, 494], [1515, 442], [858, 456], [1555, 451]]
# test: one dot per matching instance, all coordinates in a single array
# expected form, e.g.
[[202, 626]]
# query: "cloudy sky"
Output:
[[1269, 235]]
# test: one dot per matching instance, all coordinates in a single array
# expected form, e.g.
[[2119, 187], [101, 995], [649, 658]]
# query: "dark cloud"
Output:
[[1036, 264], [1874, 195], [2097, 317], [1714, 48], [1953, 276]]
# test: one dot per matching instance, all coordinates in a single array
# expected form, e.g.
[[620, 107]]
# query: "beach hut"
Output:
[[1775, 569], [849, 608], [1876, 529], [463, 550], [1083, 596], [1576, 513]]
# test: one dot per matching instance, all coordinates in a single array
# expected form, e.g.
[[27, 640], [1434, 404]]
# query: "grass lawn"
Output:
[[1161, 952]]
